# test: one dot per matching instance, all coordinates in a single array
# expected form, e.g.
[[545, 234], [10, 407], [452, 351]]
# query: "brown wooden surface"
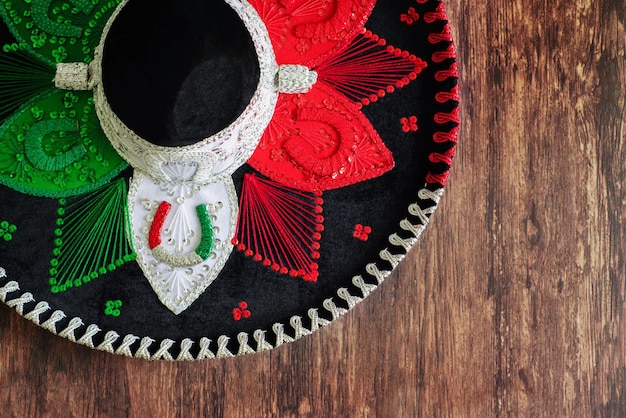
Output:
[[513, 302]]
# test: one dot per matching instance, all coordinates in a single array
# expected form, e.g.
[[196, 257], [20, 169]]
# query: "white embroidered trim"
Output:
[[178, 286], [72, 76], [217, 156], [293, 78], [166, 349]]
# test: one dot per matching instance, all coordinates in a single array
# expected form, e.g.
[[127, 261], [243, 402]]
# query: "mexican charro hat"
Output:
[[193, 179]]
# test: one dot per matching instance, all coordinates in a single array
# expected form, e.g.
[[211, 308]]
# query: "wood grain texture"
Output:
[[512, 303]]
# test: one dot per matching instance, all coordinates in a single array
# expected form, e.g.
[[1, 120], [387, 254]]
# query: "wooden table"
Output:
[[513, 303]]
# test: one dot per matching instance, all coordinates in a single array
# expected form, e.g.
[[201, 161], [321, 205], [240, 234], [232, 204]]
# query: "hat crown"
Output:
[[234, 88], [184, 75]]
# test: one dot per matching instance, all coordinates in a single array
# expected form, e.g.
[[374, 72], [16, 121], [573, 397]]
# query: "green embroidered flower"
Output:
[[59, 54], [38, 40], [113, 308], [51, 143], [7, 230]]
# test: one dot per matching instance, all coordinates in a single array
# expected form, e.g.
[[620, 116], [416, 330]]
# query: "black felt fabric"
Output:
[[178, 90]]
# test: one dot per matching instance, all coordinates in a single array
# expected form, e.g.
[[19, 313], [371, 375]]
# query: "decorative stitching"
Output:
[[365, 288], [64, 148], [112, 308], [244, 348], [320, 141], [40, 308], [396, 240], [222, 347], [50, 323], [369, 68], [330, 306], [428, 200], [410, 17], [352, 300], [7, 230], [409, 124], [22, 77], [304, 30], [39, 12], [18, 304], [176, 286], [393, 259], [241, 311], [72, 76], [87, 338], [262, 345], [10, 287], [124, 349], [422, 211], [437, 15], [185, 347], [205, 352], [142, 351], [62, 39], [65, 154], [107, 345], [362, 232], [217, 156], [316, 321], [80, 255], [280, 227], [373, 270], [281, 336], [198, 255], [445, 135], [299, 330], [163, 351], [294, 79], [72, 326]]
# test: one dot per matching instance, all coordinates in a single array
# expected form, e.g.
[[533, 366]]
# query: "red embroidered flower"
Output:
[[409, 124], [319, 140], [410, 16], [241, 312], [362, 232]]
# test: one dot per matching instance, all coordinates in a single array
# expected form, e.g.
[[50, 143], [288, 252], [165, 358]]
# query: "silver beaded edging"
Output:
[[148, 349]]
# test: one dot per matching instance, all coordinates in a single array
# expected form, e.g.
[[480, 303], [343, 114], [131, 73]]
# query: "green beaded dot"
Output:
[[7, 230], [112, 308]]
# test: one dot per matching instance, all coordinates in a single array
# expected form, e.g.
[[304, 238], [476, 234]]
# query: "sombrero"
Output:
[[195, 179]]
